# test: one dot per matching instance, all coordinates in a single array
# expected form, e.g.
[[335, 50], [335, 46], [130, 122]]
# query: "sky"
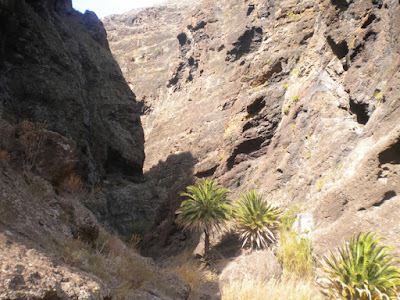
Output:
[[104, 8]]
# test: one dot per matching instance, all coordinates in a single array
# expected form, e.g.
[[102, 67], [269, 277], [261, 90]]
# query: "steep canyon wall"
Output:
[[71, 154], [298, 99]]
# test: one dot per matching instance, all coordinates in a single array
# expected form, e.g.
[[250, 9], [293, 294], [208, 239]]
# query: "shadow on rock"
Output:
[[229, 246], [170, 177]]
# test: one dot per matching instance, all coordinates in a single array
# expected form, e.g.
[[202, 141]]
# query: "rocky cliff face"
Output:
[[70, 140], [56, 67], [298, 99]]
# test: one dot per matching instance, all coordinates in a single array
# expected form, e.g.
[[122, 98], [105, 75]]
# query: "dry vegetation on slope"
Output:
[[51, 245], [71, 143]]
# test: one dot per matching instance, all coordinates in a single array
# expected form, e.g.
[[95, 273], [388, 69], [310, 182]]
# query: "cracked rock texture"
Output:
[[298, 99], [56, 66], [71, 154]]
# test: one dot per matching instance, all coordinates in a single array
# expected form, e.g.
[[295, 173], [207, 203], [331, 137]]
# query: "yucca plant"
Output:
[[361, 270], [206, 208], [256, 220]]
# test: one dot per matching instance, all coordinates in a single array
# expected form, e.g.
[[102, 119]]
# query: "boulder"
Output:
[[262, 265]]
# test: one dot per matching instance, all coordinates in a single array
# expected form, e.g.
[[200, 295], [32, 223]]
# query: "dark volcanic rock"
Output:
[[56, 159], [55, 66], [56, 71]]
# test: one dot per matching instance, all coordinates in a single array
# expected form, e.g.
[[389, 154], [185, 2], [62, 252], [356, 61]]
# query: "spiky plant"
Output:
[[256, 220], [206, 208], [361, 270]]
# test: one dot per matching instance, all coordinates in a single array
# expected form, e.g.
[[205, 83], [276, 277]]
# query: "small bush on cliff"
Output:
[[206, 208], [32, 142], [362, 270], [4, 158], [256, 220], [73, 184]]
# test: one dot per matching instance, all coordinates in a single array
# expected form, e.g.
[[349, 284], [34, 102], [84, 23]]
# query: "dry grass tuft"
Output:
[[295, 256], [109, 259], [254, 289], [195, 272], [4, 158], [32, 142], [294, 251], [73, 184]]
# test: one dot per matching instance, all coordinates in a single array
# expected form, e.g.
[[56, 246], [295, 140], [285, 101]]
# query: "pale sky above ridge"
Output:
[[104, 8]]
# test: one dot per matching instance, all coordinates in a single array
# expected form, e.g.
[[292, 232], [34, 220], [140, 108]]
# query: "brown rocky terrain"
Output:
[[71, 154], [298, 99]]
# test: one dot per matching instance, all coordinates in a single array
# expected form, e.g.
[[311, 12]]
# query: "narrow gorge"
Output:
[[104, 122]]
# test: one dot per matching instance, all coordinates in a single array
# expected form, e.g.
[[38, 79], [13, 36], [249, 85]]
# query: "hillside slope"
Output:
[[71, 154], [298, 99]]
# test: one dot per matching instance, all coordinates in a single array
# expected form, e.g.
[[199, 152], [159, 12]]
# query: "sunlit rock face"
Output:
[[298, 99]]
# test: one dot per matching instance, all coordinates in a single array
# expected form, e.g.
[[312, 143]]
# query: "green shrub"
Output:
[[136, 232], [294, 17], [256, 220], [289, 217], [285, 111], [295, 99], [362, 270]]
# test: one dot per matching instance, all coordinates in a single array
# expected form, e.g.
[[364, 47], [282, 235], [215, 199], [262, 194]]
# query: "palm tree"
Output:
[[362, 270], [206, 208], [256, 220]]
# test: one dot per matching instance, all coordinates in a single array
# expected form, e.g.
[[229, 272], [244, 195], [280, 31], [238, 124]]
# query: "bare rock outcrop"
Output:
[[56, 67], [261, 265], [29, 274], [298, 99]]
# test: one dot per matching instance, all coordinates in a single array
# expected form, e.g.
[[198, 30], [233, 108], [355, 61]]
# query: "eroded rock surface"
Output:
[[29, 274], [70, 140], [57, 70], [262, 265], [56, 67], [298, 99]]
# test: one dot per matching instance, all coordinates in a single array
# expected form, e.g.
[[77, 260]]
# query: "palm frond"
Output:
[[362, 270], [256, 220], [206, 206]]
